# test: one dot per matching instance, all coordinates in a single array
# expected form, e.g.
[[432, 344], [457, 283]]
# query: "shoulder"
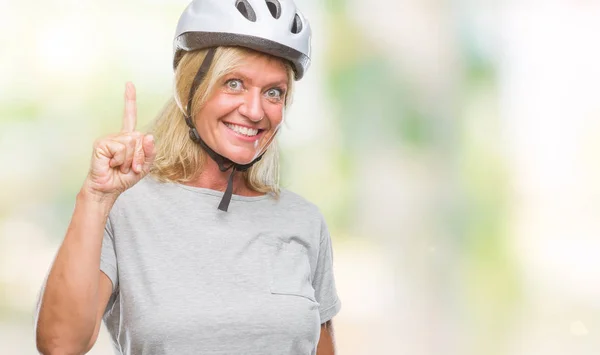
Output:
[[290, 199], [142, 193], [301, 207]]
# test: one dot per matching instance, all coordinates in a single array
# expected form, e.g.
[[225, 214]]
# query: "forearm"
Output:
[[326, 344], [67, 311]]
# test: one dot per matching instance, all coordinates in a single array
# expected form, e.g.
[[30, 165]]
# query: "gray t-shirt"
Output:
[[191, 279]]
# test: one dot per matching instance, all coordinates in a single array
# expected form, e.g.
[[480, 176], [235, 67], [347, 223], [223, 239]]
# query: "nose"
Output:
[[252, 107]]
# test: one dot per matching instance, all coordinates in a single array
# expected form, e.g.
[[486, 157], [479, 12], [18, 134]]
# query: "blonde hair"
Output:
[[178, 158]]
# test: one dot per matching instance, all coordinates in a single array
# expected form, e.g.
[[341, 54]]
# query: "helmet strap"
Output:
[[223, 163]]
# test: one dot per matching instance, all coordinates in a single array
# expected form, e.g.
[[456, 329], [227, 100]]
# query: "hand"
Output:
[[120, 160]]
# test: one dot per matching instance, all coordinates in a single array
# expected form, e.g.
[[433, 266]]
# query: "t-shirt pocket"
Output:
[[290, 271]]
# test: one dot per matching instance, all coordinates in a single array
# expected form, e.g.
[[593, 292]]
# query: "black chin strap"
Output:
[[223, 163]]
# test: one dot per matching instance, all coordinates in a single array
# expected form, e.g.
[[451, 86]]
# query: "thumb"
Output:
[[149, 152]]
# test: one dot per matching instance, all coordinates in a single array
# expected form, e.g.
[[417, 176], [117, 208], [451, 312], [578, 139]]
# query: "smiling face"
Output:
[[242, 115]]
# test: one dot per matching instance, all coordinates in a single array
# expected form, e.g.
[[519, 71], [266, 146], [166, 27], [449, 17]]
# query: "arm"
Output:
[[76, 291], [326, 344], [326, 292]]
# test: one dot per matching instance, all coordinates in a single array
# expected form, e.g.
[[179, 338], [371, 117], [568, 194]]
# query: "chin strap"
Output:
[[223, 163]]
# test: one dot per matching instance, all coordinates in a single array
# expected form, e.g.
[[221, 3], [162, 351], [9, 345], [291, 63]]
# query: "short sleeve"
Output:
[[324, 279], [108, 256]]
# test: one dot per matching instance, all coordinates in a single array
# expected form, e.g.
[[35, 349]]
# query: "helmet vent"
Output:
[[296, 25], [244, 7], [274, 7]]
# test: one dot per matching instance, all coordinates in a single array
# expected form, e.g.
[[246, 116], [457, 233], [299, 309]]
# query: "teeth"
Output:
[[250, 132]]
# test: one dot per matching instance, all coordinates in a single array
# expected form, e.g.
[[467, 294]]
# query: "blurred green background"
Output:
[[452, 146]]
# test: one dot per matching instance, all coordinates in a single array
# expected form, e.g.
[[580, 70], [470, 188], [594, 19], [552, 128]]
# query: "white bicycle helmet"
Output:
[[275, 27]]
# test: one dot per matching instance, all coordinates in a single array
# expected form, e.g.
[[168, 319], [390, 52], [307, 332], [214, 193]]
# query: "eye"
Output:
[[234, 84], [275, 94]]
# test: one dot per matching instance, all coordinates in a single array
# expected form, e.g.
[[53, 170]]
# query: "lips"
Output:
[[243, 132]]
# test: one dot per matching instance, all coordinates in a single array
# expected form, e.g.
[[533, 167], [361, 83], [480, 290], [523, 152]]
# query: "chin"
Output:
[[240, 157]]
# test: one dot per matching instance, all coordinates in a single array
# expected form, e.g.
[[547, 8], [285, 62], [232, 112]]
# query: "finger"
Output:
[[130, 113], [138, 157], [149, 152], [129, 154], [128, 140], [116, 152]]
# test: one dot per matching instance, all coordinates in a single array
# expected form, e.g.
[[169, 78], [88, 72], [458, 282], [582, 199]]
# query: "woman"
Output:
[[149, 252]]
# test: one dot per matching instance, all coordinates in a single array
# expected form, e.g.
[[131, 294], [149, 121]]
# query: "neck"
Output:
[[214, 179]]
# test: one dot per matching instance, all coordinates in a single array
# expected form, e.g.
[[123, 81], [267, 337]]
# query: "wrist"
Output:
[[89, 194]]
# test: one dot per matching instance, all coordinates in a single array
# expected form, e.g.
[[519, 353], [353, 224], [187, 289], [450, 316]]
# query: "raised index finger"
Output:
[[130, 114]]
